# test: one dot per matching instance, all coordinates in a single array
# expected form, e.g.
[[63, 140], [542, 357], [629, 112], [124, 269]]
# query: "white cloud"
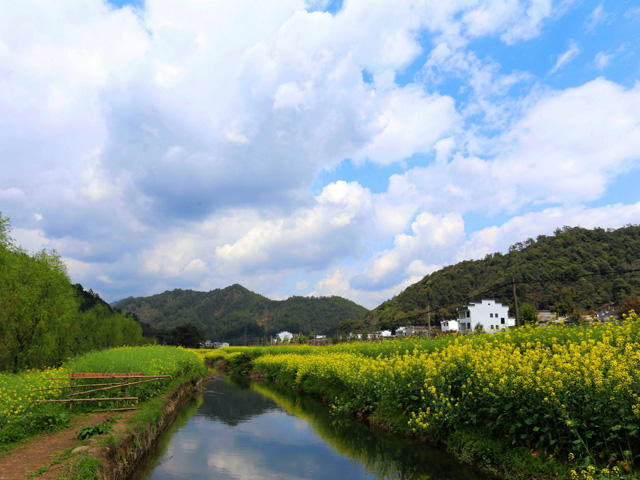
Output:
[[336, 282], [517, 229], [410, 122], [598, 16], [310, 238], [602, 60], [433, 240], [489, 89], [105, 279], [570, 144], [564, 58], [177, 145], [32, 240]]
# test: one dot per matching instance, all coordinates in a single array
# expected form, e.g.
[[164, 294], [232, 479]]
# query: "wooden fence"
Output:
[[118, 382]]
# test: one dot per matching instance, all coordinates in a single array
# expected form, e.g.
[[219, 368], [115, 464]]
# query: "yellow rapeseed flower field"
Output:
[[555, 390]]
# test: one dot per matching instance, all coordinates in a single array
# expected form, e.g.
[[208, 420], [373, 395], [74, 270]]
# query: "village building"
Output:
[[605, 314], [284, 336], [410, 330], [491, 315], [449, 326], [546, 316]]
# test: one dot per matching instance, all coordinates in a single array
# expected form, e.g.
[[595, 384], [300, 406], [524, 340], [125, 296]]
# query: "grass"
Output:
[[21, 417]]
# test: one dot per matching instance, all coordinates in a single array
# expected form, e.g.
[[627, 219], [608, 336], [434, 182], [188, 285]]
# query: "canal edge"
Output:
[[119, 459]]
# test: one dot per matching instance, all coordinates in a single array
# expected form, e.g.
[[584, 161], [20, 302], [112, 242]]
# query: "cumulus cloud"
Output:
[[433, 240], [311, 238], [566, 148], [179, 144], [571, 143], [517, 229], [411, 122]]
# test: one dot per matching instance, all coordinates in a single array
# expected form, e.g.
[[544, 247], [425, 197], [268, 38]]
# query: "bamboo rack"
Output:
[[122, 381]]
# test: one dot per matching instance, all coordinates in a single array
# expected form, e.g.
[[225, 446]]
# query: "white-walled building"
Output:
[[284, 336], [492, 315], [449, 325]]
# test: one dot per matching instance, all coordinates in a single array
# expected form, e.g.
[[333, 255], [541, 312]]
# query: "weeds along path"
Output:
[[42, 453]]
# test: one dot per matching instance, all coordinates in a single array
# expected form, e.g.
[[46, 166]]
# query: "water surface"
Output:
[[240, 429]]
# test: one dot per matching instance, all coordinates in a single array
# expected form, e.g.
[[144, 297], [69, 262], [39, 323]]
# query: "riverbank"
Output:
[[554, 403], [117, 455], [80, 445]]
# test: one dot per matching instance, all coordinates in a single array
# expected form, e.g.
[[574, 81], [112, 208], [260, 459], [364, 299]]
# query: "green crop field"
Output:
[[21, 415]]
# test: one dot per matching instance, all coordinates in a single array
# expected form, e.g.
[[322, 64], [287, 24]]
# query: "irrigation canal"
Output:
[[239, 429]]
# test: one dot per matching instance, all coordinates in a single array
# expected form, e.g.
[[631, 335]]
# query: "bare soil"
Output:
[[45, 451]]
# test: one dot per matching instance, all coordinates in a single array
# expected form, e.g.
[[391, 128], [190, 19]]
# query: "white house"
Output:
[[449, 325], [492, 315], [284, 336]]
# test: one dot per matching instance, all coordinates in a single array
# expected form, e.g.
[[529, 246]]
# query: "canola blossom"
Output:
[[20, 410], [557, 390]]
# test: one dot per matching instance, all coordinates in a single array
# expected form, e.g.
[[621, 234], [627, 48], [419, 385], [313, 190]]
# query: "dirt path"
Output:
[[41, 451]]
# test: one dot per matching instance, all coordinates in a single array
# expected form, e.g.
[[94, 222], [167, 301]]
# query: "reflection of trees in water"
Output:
[[382, 454], [231, 401], [160, 449]]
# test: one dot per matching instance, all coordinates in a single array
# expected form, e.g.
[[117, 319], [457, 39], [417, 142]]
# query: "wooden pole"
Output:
[[126, 387], [87, 400], [515, 301], [70, 393], [119, 385]]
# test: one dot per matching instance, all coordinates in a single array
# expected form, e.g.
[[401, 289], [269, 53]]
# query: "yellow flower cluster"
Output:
[[551, 389], [20, 393]]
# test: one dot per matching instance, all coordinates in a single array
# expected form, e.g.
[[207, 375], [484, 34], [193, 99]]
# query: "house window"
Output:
[[468, 313], [502, 321], [491, 327], [491, 315]]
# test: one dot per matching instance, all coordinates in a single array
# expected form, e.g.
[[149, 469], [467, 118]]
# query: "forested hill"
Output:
[[224, 314], [574, 270]]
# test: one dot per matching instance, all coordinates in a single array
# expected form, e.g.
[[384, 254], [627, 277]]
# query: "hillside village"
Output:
[[487, 315]]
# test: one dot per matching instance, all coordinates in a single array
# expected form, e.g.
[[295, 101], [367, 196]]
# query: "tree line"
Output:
[[237, 315], [572, 272], [44, 318]]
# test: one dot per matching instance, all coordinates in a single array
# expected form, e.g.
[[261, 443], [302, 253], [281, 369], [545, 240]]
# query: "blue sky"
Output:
[[311, 148]]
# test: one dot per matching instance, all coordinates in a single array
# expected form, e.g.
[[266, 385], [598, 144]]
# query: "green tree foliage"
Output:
[[43, 318], [528, 314], [576, 269], [226, 314], [187, 335]]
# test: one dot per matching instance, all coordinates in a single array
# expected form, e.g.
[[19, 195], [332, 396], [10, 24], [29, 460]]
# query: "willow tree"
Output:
[[41, 323]]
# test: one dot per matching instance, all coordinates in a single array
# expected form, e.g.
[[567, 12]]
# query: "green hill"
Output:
[[226, 314], [574, 270]]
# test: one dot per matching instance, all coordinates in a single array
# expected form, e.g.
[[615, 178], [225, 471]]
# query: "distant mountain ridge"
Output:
[[576, 269], [230, 313]]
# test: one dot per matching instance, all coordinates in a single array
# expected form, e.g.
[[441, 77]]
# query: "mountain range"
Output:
[[235, 313]]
